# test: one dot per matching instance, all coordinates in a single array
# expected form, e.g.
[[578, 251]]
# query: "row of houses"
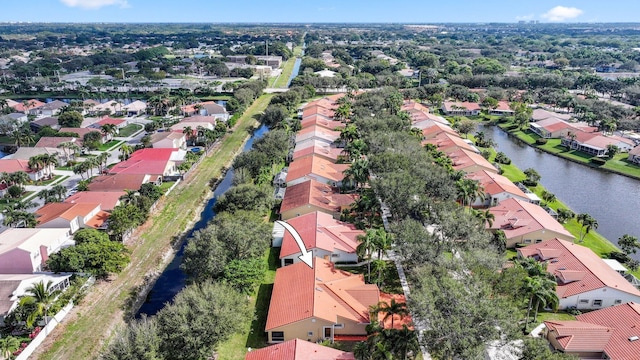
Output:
[[584, 280], [465, 108], [40, 109]]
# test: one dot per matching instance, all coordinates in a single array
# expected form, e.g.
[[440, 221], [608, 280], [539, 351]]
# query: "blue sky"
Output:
[[307, 11]]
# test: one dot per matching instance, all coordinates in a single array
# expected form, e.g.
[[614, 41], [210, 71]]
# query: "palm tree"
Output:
[[361, 351], [379, 266], [417, 133], [486, 216], [189, 132], [41, 296], [343, 112], [391, 309], [358, 172], [382, 241], [125, 151], [404, 341], [59, 191], [588, 223], [102, 160], [130, 196], [541, 291], [348, 134], [8, 345], [49, 162], [109, 130], [36, 163], [19, 178], [468, 191], [366, 247], [380, 352]]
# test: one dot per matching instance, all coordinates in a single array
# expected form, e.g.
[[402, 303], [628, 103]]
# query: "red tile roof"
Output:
[[107, 199], [319, 148], [494, 184], [321, 231], [118, 182], [516, 218], [311, 110], [322, 122], [315, 165], [315, 193], [54, 141], [445, 140], [67, 211], [80, 131], [14, 165], [300, 292], [152, 161], [98, 219], [463, 159], [578, 336], [431, 129], [625, 320], [111, 121], [398, 322], [577, 264], [33, 103], [297, 349], [412, 105]]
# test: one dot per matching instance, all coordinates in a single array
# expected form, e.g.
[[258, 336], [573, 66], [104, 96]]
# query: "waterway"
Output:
[[296, 70], [613, 200], [173, 279]]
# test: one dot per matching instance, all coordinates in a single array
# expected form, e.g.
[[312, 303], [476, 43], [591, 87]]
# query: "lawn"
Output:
[[83, 337], [110, 144], [6, 140], [47, 182], [129, 130], [282, 80], [165, 185]]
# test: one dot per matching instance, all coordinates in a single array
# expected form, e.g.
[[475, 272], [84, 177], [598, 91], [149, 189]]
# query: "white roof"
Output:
[[615, 265], [30, 239], [136, 106]]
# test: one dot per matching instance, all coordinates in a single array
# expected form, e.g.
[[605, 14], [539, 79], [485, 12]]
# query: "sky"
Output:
[[328, 11]]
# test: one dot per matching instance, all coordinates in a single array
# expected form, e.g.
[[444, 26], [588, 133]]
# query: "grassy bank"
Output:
[[92, 323], [287, 69]]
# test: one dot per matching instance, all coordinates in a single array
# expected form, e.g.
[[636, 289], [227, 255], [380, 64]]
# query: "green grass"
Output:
[[281, 81], [4, 139], [129, 130], [166, 185], [47, 182], [109, 145], [620, 164], [83, 337], [550, 316], [297, 51]]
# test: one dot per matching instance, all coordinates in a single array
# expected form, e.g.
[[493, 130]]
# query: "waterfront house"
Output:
[[108, 200], [50, 109], [496, 189], [158, 163], [71, 216], [543, 114], [595, 143], [38, 124], [297, 349], [325, 237], [316, 168], [431, 129], [26, 106], [319, 303], [24, 251], [310, 196], [525, 223], [469, 161], [16, 118], [461, 108], [611, 333], [584, 281], [551, 128], [207, 108], [449, 143], [634, 155], [503, 109]]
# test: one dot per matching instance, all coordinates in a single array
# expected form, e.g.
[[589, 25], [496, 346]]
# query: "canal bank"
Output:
[[612, 199]]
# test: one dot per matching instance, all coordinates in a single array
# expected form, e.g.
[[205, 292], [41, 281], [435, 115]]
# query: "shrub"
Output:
[[541, 141], [502, 158], [598, 161], [14, 191]]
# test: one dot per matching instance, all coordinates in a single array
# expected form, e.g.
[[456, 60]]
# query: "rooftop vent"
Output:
[[633, 338]]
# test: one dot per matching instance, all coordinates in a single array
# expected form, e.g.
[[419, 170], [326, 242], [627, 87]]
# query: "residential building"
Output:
[[321, 121], [526, 223], [26, 105], [50, 109], [318, 110], [84, 131], [311, 196], [169, 140], [449, 143], [16, 118], [325, 237], [158, 163], [55, 141], [108, 200], [584, 281], [207, 108], [496, 189], [316, 168], [634, 155], [612, 333], [595, 143], [38, 124], [135, 108], [431, 129], [72, 216], [543, 114], [118, 123], [24, 251], [317, 148], [551, 128], [26, 153], [503, 109], [314, 133], [319, 303], [297, 349], [15, 286], [121, 182], [461, 108], [15, 165], [469, 161]]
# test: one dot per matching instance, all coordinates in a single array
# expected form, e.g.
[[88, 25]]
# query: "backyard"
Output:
[[129, 130]]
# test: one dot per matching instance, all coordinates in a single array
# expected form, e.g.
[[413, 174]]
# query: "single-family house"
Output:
[[319, 303], [26, 153], [14, 165], [448, 143], [311, 196], [321, 121], [551, 128], [49, 109], [169, 140], [408, 105], [496, 188], [109, 108], [325, 237], [27, 105], [15, 286], [503, 109], [118, 123], [88, 106], [469, 161], [84, 131], [121, 182], [584, 281], [38, 124], [634, 155], [608, 333], [71, 216], [297, 349], [451, 108], [316, 168], [159, 163], [207, 108], [526, 223], [135, 108], [108, 200], [55, 141], [24, 251], [317, 148], [595, 143], [543, 114], [16, 118]]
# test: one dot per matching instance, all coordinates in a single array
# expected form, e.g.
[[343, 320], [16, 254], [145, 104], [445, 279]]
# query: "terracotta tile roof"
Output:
[[311, 110], [444, 141], [625, 320], [315, 193], [33, 103], [297, 349], [412, 105], [14, 165], [463, 159], [153, 161], [319, 130], [577, 264], [108, 120], [504, 106], [317, 133], [67, 211], [319, 148], [578, 336], [107, 199], [553, 124], [200, 119], [315, 165], [494, 184], [322, 122], [431, 129], [98, 220], [172, 135], [321, 231], [635, 151], [118, 182], [602, 141], [54, 141], [54, 105], [301, 292], [516, 218], [211, 106], [327, 102]]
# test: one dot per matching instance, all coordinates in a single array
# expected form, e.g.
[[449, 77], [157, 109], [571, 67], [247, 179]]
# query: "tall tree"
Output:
[[40, 296]]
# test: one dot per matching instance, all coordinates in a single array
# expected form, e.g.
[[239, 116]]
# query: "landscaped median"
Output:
[[93, 322]]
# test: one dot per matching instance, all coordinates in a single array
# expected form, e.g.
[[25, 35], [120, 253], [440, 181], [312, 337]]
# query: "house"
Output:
[[469, 161], [169, 140], [503, 109], [408, 105], [634, 155], [328, 102], [319, 303], [49, 109], [448, 143], [15, 286], [610, 333], [38, 124], [24, 251], [314, 132], [318, 110], [118, 123], [84, 131], [26, 153], [195, 122], [207, 108], [16, 118], [27, 105], [110, 107], [321, 121], [584, 281], [543, 114], [297, 349], [158, 163], [325, 237], [431, 129], [461, 108], [551, 128], [326, 73], [595, 143], [14, 165], [316, 148], [135, 108], [55, 141], [311, 196], [108, 200], [71, 216], [88, 106], [526, 223], [496, 189], [121, 182], [316, 168]]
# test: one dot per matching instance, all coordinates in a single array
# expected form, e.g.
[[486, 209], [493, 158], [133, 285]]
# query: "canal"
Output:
[[173, 279], [613, 200]]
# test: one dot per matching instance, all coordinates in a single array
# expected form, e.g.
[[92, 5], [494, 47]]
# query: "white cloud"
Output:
[[95, 4], [562, 13]]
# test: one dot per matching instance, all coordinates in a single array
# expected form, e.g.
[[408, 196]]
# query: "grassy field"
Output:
[[129, 130], [90, 325], [281, 81]]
